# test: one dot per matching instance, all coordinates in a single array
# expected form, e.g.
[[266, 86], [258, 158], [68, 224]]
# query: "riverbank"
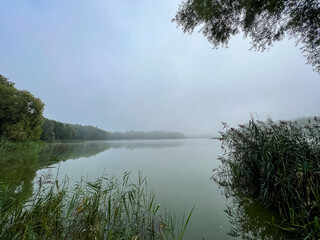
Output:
[[9, 146]]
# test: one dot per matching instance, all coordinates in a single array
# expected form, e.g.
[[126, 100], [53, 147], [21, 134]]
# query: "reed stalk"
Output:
[[278, 164], [107, 208]]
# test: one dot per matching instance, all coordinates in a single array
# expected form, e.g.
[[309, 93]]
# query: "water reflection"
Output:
[[249, 219], [19, 168], [143, 144], [57, 152], [186, 165]]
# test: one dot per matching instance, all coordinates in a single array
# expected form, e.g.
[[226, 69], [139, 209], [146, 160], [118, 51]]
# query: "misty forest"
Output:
[[116, 124]]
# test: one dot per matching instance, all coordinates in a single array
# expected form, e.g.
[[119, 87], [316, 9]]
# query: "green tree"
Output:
[[47, 131], [264, 21], [20, 113], [68, 132], [58, 130], [62, 131], [89, 133]]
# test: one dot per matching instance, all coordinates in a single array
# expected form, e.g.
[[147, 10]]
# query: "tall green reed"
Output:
[[107, 208], [278, 163]]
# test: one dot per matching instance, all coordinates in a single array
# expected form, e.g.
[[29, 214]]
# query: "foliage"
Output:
[[20, 113], [47, 133], [104, 209], [278, 163], [63, 131], [54, 130], [89, 133], [263, 21], [10, 147]]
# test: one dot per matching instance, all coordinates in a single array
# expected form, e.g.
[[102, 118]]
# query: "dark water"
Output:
[[178, 171]]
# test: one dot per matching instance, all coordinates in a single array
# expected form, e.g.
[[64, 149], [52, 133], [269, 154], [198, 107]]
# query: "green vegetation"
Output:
[[9, 146], [265, 22], [20, 113], [88, 133], [145, 135], [54, 130], [277, 163], [104, 209]]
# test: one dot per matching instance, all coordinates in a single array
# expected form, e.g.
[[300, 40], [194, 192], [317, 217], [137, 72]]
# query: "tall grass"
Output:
[[9, 146], [107, 208], [278, 163]]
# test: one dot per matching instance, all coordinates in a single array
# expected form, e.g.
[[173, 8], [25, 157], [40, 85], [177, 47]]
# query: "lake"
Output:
[[177, 171]]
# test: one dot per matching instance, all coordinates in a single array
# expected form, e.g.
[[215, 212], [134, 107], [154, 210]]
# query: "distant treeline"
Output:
[[145, 135], [21, 120], [53, 130]]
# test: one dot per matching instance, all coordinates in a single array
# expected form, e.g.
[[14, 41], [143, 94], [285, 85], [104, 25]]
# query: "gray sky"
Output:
[[123, 65]]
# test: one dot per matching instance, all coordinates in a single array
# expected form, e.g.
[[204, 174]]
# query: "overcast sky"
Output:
[[123, 65]]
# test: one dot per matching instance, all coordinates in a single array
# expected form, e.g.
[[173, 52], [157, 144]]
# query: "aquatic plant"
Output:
[[279, 164], [107, 208]]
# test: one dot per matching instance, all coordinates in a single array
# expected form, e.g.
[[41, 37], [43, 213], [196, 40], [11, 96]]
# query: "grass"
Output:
[[107, 208], [279, 164], [9, 146]]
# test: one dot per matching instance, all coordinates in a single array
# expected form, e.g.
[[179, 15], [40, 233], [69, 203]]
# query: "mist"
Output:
[[123, 65]]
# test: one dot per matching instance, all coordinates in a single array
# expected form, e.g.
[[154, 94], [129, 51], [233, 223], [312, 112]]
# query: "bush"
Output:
[[278, 163]]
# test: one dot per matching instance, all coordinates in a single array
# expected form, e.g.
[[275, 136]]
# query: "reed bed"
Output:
[[279, 164], [9, 146], [107, 208]]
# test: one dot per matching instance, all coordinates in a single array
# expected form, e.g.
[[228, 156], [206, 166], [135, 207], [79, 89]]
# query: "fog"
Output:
[[123, 65]]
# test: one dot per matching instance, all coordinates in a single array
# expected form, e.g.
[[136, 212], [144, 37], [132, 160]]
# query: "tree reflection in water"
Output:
[[18, 169], [249, 219]]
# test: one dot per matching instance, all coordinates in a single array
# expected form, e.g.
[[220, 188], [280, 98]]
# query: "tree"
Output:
[[47, 131], [54, 130], [264, 21], [58, 130], [89, 133], [20, 113], [68, 132]]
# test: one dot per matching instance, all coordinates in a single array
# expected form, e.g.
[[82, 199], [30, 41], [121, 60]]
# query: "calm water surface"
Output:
[[178, 171]]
